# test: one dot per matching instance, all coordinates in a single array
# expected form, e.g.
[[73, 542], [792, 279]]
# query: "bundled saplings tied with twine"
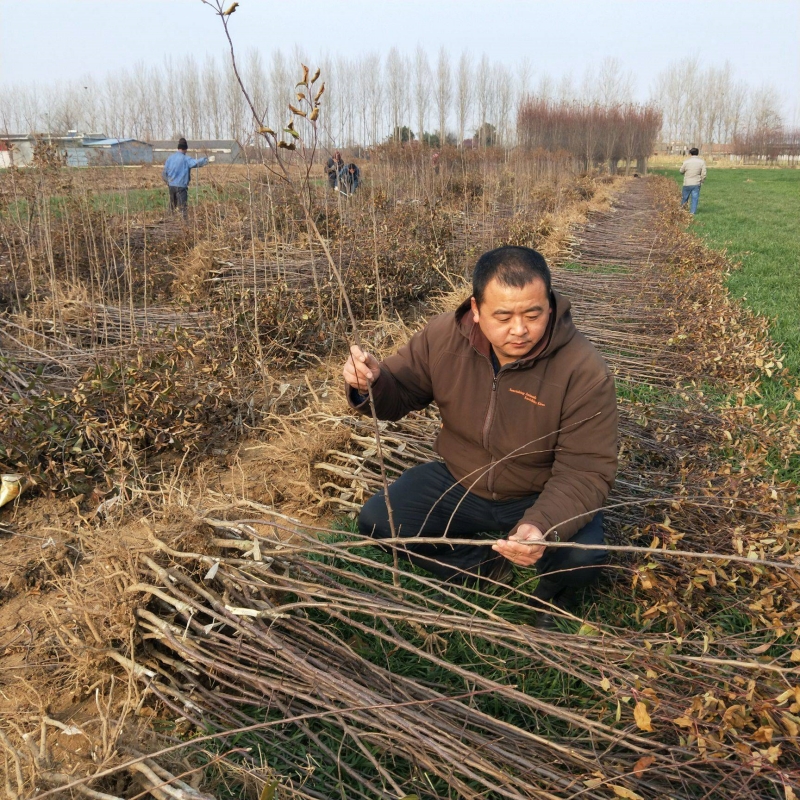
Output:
[[305, 651]]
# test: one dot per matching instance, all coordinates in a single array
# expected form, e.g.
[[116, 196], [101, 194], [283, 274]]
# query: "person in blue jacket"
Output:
[[177, 174]]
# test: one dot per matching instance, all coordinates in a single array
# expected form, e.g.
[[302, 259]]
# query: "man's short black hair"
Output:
[[511, 266], [182, 145], [693, 151]]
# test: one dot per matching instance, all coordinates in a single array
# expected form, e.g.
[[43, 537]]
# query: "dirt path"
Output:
[[626, 234]]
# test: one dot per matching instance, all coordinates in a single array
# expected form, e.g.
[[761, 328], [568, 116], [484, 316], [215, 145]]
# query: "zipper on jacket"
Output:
[[487, 424]]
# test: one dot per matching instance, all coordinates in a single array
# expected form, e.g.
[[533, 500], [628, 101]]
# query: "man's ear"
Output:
[[475, 313]]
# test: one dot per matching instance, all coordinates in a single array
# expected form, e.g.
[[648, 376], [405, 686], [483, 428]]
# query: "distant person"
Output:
[[694, 173], [435, 163], [349, 178], [333, 168], [177, 173]]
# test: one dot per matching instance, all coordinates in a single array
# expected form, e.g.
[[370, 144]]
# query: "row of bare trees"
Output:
[[370, 97], [367, 98], [593, 133], [705, 105], [769, 144]]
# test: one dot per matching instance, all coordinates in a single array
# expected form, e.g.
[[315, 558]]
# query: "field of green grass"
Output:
[[133, 201], [754, 214]]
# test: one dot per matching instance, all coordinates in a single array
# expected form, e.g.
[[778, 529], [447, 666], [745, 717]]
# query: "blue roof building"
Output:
[[79, 150]]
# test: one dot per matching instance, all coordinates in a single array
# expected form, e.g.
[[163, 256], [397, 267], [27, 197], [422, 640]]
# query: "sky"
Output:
[[46, 40]]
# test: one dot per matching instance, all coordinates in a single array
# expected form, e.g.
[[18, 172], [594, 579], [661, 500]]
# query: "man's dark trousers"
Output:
[[178, 198], [427, 501]]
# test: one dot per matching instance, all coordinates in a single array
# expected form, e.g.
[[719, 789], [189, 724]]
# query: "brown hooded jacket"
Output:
[[544, 424]]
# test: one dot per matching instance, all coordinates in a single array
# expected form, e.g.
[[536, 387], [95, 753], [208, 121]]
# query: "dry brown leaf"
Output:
[[621, 791], [642, 717], [784, 696], [772, 754], [763, 734], [792, 728], [642, 764]]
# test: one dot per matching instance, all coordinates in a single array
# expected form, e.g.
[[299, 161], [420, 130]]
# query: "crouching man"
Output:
[[528, 438]]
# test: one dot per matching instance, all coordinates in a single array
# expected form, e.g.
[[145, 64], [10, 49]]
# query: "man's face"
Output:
[[513, 320]]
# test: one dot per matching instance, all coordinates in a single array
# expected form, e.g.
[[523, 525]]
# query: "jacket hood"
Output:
[[560, 330]]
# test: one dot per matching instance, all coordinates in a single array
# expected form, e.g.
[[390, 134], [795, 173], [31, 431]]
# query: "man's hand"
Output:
[[524, 555], [361, 370]]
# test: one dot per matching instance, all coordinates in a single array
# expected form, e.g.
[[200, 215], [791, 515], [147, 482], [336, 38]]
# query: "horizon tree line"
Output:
[[371, 99]]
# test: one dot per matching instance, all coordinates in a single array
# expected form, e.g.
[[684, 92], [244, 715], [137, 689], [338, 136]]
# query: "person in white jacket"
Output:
[[694, 173]]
